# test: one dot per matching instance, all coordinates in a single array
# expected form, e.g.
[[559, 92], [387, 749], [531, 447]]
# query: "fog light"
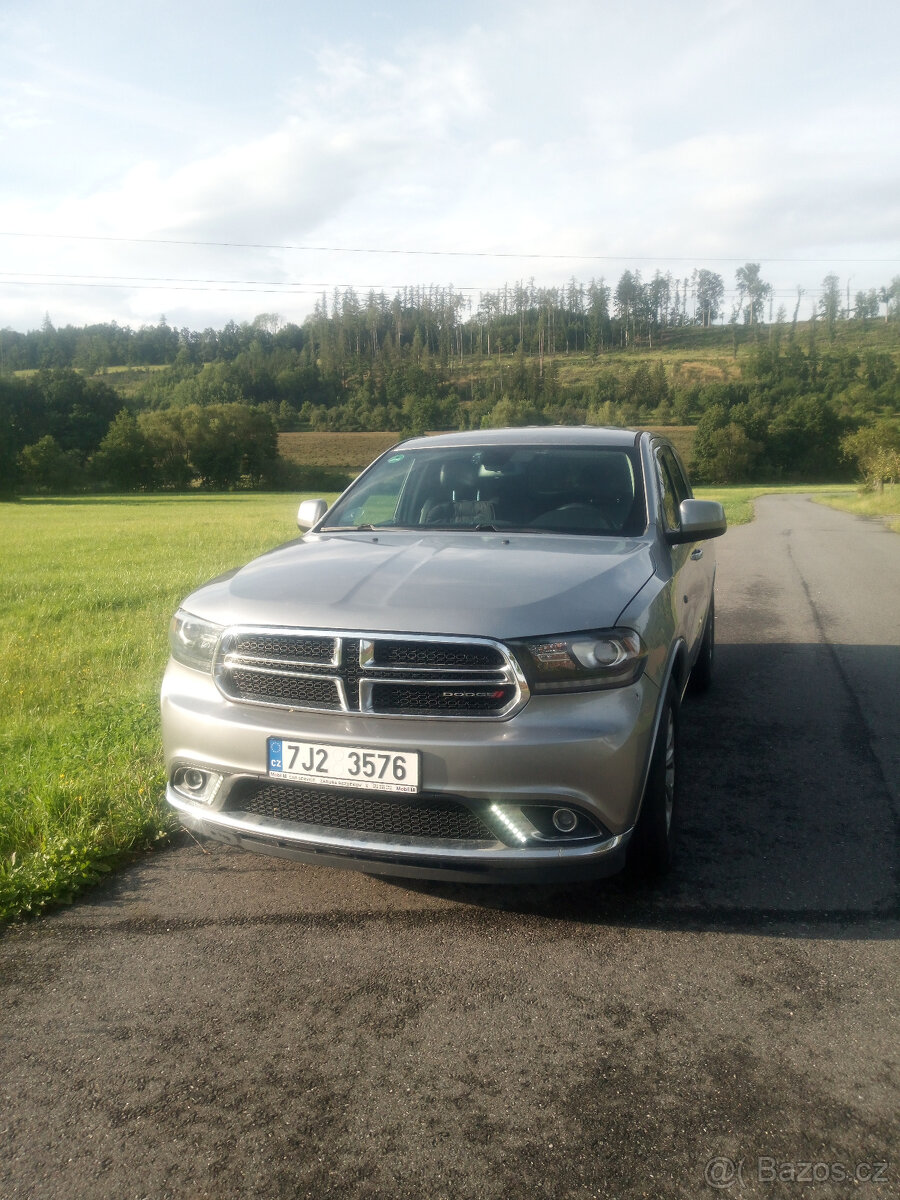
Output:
[[197, 785], [564, 820]]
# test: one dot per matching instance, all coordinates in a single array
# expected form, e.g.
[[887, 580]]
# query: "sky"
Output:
[[214, 161]]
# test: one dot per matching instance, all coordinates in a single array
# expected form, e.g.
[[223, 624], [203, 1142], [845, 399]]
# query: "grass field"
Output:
[[89, 587], [885, 506], [738, 501]]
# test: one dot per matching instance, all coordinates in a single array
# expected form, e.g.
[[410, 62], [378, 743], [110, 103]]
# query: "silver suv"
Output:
[[471, 666]]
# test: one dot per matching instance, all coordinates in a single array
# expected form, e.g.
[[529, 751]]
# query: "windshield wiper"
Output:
[[485, 528]]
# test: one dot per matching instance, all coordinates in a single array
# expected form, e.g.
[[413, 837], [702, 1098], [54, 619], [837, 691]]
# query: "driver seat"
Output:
[[459, 502]]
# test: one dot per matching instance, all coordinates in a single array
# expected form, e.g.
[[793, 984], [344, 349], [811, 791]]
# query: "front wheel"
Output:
[[651, 850]]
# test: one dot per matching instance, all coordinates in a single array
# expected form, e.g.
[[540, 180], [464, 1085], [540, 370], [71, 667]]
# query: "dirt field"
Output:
[[353, 451]]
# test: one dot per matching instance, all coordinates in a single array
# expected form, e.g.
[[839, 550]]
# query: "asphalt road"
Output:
[[225, 1025]]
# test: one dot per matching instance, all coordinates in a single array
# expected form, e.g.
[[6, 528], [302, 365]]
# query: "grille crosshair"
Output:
[[378, 675]]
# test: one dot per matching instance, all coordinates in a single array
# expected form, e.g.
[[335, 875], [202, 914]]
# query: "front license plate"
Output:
[[345, 766]]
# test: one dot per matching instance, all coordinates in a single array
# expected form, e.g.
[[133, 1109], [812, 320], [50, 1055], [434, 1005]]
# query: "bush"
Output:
[[222, 445], [876, 451], [125, 457], [46, 467], [285, 475]]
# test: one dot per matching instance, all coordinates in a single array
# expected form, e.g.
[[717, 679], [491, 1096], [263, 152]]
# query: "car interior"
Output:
[[586, 490]]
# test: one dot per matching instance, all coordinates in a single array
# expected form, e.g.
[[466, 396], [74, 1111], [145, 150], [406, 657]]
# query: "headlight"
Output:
[[580, 662], [192, 641]]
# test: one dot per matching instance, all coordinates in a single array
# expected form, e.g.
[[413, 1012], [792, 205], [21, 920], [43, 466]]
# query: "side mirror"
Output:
[[311, 513], [700, 519]]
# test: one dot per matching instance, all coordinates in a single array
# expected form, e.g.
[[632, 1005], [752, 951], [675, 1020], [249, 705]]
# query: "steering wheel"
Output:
[[598, 521]]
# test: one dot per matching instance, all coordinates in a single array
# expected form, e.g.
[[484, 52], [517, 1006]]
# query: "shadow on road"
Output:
[[787, 819]]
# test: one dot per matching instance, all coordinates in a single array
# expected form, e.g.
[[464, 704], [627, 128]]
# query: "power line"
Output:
[[148, 280], [87, 237], [275, 288], [168, 287], [287, 287]]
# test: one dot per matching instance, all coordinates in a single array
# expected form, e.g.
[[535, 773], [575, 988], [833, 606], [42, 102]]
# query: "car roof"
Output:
[[532, 435]]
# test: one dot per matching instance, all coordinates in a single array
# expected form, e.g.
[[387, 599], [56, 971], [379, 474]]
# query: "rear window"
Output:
[[592, 490]]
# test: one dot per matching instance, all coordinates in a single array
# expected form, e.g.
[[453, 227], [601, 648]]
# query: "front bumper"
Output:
[[588, 751], [462, 862]]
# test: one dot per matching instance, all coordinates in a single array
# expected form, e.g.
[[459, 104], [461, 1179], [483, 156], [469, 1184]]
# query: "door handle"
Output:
[[696, 554]]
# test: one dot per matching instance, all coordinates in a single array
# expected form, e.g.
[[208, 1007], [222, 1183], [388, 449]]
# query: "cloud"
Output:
[[667, 133], [365, 127]]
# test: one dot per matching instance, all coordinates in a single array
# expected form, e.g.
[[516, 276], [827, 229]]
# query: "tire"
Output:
[[651, 851], [702, 674]]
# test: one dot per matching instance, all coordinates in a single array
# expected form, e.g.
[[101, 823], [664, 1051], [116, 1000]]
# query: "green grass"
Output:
[[738, 500], [89, 586], [885, 505]]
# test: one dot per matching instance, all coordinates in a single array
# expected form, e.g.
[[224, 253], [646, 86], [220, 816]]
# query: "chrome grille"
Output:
[[402, 816], [369, 674], [428, 698], [296, 690], [439, 655], [313, 650]]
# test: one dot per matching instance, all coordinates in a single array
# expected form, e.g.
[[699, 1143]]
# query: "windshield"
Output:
[[563, 489]]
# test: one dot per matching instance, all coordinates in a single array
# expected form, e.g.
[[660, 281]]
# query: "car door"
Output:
[[693, 562]]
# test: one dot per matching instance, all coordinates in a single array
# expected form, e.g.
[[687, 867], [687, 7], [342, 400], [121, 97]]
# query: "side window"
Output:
[[679, 479], [672, 486]]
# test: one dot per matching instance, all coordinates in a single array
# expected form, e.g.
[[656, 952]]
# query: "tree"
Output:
[[420, 413], [880, 369], [866, 305], [890, 298], [76, 411], [165, 436], [125, 456], [804, 439], [723, 450], [598, 313], [507, 413], [9, 469], [628, 297], [752, 292], [710, 291], [46, 467], [876, 451], [660, 298], [227, 441], [830, 303], [795, 318], [266, 323]]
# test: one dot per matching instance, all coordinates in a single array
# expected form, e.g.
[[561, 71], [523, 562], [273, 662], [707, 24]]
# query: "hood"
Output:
[[467, 584]]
